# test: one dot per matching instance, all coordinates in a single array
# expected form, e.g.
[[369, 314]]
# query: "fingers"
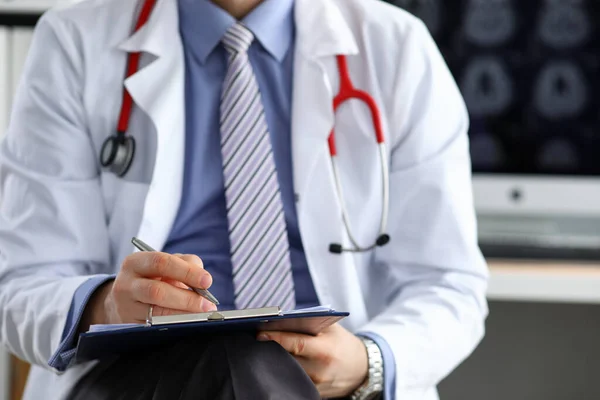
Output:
[[317, 374], [161, 312], [311, 367], [187, 269], [296, 344], [160, 294], [191, 258], [194, 259], [165, 295], [309, 352], [139, 312], [176, 283], [162, 280]]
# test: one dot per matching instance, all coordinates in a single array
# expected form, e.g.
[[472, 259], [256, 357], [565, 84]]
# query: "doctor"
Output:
[[213, 100]]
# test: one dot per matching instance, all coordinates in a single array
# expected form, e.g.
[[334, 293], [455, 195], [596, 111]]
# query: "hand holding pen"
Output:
[[202, 292], [151, 281]]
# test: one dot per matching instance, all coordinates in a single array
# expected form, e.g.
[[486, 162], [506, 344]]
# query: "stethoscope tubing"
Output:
[[348, 92], [118, 151], [385, 188]]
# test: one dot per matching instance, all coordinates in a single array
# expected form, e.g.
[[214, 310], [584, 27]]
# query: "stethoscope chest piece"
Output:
[[117, 154]]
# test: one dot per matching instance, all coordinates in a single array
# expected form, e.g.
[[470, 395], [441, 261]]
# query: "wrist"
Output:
[[95, 309], [373, 384]]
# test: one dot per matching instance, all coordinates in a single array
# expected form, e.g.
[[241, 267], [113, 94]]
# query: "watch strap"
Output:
[[373, 385]]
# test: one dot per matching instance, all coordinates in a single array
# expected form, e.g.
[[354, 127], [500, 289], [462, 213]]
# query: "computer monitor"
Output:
[[529, 71]]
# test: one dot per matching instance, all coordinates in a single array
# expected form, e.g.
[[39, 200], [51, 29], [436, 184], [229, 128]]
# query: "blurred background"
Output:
[[529, 71]]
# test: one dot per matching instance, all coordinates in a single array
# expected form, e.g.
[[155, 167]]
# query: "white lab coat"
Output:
[[62, 219]]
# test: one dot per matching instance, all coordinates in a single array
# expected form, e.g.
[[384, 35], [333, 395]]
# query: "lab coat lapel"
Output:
[[158, 89], [322, 33]]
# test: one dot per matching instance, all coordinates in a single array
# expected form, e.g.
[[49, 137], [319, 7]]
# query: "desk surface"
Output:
[[545, 281]]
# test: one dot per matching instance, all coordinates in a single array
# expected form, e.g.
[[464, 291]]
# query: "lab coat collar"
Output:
[[322, 33], [157, 35], [321, 30], [158, 89]]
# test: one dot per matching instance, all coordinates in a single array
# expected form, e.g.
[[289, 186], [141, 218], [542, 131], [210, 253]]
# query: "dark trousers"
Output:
[[226, 367]]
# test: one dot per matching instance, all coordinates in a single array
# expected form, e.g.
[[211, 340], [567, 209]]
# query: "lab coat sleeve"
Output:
[[436, 305], [53, 234], [65, 354], [389, 365]]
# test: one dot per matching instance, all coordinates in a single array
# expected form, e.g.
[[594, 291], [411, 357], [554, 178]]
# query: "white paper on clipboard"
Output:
[[227, 315]]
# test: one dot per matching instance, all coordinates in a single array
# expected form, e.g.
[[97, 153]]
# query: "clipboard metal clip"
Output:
[[214, 316]]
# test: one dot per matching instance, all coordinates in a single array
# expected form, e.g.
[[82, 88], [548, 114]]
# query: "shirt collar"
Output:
[[203, 24]]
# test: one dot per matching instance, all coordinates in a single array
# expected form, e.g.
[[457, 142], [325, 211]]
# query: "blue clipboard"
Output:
[[100, 344]]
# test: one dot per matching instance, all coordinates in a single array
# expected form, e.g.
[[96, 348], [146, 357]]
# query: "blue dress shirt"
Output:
[[201, 225]]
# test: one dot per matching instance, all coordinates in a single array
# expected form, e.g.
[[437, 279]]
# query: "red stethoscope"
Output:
[[346, 93], [118, 150]]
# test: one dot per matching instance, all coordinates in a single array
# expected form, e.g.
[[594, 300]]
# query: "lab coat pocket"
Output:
[[125, 207], [360, 172]]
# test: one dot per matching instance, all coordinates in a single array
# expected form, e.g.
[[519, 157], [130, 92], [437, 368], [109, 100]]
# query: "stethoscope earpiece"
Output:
[[337, 248], [383, 239], [117, 153]]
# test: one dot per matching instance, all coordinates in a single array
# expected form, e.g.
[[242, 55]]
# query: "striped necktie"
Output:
[[262, 274]]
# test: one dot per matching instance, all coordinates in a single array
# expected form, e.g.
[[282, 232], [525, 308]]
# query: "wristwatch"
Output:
[[373, 385]]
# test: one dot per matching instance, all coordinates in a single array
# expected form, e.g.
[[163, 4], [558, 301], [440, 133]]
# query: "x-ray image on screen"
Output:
[[429, 11], [529, 72]]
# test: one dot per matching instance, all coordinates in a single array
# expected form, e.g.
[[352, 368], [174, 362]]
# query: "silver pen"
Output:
[[202, 292]]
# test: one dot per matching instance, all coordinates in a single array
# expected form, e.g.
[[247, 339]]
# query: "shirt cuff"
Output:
[[389, 364], [65, 353]]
